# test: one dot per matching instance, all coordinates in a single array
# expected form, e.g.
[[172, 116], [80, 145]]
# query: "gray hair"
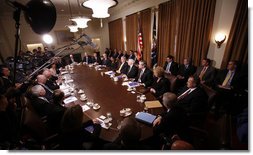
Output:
[[169, 99], [41, 79], [37, 89]]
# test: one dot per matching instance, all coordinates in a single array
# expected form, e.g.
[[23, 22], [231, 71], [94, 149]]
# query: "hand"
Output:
[[18, 85], [152, 90], [157, 121], [95, 121]]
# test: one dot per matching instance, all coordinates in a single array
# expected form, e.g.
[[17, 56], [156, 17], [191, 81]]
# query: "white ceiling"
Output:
[[62, 6]]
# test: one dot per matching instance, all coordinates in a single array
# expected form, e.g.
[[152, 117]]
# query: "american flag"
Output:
[[140, 41]]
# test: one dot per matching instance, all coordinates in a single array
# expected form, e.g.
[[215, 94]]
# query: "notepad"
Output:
[[153, 104], [70, 99], [133, 84], [144, 117]]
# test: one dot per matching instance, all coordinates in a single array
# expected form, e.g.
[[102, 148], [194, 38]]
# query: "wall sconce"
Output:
[[219, 39]]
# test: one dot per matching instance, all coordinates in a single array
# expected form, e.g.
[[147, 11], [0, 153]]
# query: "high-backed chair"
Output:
[[173, 82], [211, 95]]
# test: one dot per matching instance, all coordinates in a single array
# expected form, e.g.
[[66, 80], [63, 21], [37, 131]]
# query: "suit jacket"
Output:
[[131, 57], [98, 60], [52, 85], [5, 84], [114, 66], [194, 102], [124, 68], [186, 72], [161, 87], [235, 83], [106, 62], [146, 78], [49, 92], [173, 67], [41, 107], [133, 72], [119, 56], [208, 76], [115, 55], [174, 121], [89, 59]]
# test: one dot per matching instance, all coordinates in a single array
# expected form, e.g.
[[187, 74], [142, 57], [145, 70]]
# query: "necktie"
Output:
[[187, 92], [120, 67], [225, 82], [129, 69], [202, 73], [141, 73]]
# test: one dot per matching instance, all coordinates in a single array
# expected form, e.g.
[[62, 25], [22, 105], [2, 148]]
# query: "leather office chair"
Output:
[[211, 95], [173, 82]]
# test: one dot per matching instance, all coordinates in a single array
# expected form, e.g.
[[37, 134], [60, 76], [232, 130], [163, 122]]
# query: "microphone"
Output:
[[88, 40], [17, 5]]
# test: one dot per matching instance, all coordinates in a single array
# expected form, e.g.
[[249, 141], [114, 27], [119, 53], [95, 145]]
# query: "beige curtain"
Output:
[[145, 17], [237, 44], [185, 28], [116, 34], [131, 31]]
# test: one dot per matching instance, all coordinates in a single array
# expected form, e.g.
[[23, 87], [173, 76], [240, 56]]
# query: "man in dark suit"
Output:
[[115, 54], [51, 80], [87, 59], [132, 70], [228, 83], [131, 56], [106, 62], [206, 72], [192, 98], [119, 55], [145, 75], [123, 66], [170, 66], [173, 121], [96, 59], [185, 70], [41, 80]]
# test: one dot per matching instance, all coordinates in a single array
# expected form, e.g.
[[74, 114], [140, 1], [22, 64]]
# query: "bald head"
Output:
[[181, 145], [41, 79], [169, 99], [47, 73]]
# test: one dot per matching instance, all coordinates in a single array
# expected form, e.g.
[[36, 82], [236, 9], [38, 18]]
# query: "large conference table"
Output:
[[110, 95]]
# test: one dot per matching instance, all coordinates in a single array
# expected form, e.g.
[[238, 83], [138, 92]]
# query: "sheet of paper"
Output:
[[85, 108], [70, 99]]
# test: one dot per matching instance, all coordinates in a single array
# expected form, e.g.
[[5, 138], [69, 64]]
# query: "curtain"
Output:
[[116, 34], [166, 30], [131, 31], [185, 28], [146, 34], [237, 44]]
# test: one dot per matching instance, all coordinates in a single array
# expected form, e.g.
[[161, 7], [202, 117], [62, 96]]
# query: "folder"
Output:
[[153, 104], [145, 117]]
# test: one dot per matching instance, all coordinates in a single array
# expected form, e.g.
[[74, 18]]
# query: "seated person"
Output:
[[96, 59], [185, 70], [193, 98], [129, 136], [160, 84], [51, 80], [228, 82], [170, 66], [41, 80], [123, 66], [145, 75], [114, 64], [87, 59], [73, 133], [206, 72], [106, 62], [72, 60], [132, 70], [173, 121]]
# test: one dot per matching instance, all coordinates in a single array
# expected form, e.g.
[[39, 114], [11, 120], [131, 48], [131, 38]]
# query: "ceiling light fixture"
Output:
[[100, 7], [81, 22], [72, 27]]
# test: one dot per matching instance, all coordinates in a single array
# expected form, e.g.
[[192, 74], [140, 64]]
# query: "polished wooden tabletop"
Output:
[[110, 95]]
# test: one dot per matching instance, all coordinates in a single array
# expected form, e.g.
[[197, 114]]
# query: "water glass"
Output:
[[109, 116]]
